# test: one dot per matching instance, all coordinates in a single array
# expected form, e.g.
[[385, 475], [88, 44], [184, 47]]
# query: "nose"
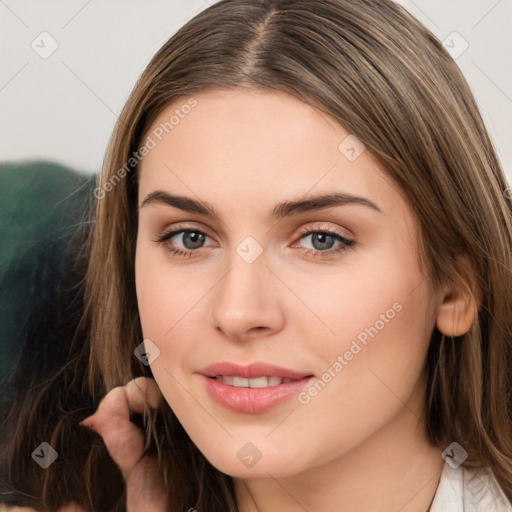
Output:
[[246, 302]]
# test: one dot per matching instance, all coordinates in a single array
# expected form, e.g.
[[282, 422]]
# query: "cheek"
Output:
[[171, 303], [373, 365], [378, 316], [165, 295], [364, 289]]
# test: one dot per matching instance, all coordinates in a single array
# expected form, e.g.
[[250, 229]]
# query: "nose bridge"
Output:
[[245, 299]]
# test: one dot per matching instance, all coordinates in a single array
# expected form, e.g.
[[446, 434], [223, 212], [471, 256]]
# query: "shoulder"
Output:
[[469, 490]]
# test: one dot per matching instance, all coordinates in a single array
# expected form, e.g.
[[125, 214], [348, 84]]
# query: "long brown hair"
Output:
[[389, 81]]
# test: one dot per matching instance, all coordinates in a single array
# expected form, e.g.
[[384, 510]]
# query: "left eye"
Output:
[[323, 241]]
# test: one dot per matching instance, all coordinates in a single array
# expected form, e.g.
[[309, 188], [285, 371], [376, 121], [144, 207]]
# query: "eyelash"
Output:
[[345, 244]]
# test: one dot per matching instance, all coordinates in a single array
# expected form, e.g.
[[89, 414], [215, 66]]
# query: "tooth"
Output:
[[240, 382], [258, 382], [224, 379]]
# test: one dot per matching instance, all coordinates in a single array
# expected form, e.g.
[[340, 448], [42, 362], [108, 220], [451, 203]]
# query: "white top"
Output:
[[469, 490]]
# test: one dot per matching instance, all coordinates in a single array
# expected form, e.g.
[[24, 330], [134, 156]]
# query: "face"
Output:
[[277, 271]]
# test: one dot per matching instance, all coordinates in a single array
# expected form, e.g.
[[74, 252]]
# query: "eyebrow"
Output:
[[319, 202], [183, 203], [284, 209]]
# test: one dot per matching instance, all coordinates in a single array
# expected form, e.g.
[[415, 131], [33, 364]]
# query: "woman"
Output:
[[301, 235]]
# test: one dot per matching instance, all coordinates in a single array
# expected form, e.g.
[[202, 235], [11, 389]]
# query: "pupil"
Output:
[[322, 241], [193, 239]]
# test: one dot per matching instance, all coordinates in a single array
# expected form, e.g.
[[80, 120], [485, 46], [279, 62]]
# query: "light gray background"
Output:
[[63, 108]]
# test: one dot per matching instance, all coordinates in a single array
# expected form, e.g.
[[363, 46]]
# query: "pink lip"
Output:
[[252, 400], [252, 370]]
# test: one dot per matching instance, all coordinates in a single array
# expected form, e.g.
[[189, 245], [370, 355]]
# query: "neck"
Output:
[[396, 469]]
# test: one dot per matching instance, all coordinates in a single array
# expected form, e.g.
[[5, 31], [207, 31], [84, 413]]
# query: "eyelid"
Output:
[[324, 228], [174, 229]]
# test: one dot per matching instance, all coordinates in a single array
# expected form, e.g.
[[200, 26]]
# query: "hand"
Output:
[[125, 442]]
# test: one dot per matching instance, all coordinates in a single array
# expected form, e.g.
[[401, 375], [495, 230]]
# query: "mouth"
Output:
[[252, 389], [255, 382]]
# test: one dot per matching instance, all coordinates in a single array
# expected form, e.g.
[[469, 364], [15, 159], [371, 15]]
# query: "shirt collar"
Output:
[[469, 490]]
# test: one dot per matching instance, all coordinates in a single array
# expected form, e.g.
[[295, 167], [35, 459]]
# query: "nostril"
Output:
[[259, 328]]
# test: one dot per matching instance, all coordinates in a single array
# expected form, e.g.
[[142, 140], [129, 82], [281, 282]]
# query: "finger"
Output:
[[124, 440], [138, 392], [143, 391]]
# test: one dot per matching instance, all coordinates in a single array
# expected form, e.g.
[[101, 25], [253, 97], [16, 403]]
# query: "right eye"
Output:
[[183, 242]]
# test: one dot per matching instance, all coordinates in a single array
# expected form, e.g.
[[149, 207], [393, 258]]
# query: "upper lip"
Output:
[[252, 370]]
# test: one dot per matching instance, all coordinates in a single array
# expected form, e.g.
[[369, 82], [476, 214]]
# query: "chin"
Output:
[[259, 459]]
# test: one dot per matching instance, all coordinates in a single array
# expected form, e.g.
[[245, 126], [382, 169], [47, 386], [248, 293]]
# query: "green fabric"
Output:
[[42, 204]]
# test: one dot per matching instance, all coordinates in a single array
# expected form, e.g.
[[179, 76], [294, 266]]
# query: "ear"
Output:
[[459, 306]]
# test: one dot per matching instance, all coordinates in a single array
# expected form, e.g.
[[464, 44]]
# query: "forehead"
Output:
[[265, 146]]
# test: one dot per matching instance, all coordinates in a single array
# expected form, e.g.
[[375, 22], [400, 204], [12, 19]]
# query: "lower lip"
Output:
[[253, 400]]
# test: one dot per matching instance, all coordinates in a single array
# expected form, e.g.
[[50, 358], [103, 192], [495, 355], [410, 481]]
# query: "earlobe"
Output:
[[459, 307]]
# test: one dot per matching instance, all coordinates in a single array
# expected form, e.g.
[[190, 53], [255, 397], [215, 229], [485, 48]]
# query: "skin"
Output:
[[360, 443]]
